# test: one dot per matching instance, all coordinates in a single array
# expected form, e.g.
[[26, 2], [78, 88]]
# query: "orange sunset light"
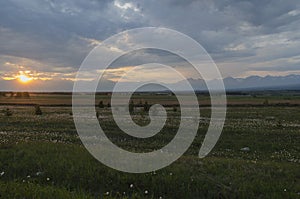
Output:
[[24, 78]]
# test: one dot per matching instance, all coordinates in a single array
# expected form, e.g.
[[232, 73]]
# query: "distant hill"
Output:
[[290, 82], [267, 82], [251, 83]]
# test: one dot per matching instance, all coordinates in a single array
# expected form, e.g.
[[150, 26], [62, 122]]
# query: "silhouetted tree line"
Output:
[[15, 94]]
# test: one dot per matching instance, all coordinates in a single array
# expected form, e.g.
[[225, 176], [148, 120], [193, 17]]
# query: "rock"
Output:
[[245, 149]]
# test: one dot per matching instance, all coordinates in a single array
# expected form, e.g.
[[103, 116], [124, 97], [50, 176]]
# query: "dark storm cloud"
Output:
[[54, 31], [59, 34], [218, 23]]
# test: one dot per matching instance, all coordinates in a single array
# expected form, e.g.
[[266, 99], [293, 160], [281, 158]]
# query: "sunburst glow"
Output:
[[24, 78]]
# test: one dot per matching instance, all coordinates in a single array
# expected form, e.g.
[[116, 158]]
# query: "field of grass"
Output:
[[289, 98], [41, 156]]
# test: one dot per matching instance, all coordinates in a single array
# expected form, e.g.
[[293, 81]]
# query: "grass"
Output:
[[33, 190], [41, 156], [256, 98]]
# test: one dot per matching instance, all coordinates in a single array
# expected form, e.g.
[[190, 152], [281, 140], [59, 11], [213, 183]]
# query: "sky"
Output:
[[46, 41]]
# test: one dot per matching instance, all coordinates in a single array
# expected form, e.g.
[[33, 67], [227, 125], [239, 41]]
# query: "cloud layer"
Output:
[[51, 38]]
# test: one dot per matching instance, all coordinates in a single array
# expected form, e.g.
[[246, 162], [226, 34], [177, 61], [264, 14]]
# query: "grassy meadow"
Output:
[[41, 156]]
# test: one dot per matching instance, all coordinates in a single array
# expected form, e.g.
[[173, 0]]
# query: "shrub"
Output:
[[146, 106], [266, 102], [38, 110], [8, 112], [131, 106], [174, 109], [141, 103], [101, 105]]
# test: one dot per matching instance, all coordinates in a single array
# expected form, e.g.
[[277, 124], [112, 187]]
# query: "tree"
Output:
[[26, 94], [19, 94], [22, 95]]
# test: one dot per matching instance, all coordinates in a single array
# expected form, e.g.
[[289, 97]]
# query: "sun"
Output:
[[24, 78]]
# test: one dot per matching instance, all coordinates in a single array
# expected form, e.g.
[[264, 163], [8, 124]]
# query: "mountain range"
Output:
[[290, 82], [253, 83]]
